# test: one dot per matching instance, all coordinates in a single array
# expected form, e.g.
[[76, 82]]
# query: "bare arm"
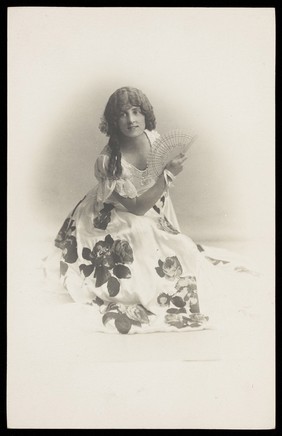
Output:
[[140, 205]]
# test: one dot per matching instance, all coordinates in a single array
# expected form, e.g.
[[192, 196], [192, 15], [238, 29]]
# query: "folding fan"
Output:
[[167, 147]]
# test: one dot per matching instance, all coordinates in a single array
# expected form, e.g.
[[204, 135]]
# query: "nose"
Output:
[[130, 118]]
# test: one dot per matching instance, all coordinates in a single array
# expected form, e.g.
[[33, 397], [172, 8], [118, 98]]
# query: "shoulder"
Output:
[[152, 135], [101, 163]]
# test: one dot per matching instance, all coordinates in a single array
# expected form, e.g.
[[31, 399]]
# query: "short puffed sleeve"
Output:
[[123, 186]]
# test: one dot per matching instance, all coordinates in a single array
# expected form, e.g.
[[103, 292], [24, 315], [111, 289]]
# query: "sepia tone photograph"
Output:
[[141, 211]]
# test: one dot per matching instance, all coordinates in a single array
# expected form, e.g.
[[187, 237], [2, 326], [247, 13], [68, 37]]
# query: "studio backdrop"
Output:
[[205, 70]]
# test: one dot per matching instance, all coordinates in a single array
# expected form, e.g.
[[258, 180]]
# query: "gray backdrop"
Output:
[[209, 70]]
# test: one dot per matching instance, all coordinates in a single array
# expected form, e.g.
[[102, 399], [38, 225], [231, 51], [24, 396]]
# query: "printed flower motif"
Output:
[[119, 306], [184, 299], [104, 217], [170, 268], [122, 251], [136, 312], [193, 300], [100, 259], [181, 320], [163, 299], [167, 300], [185, 282], [108, 260], [97, 300], [68, 244], [67, 228], [165, 225], [100, 251], [125, 317], [198, 317], [175, 319], [159, 204], [193, 303]]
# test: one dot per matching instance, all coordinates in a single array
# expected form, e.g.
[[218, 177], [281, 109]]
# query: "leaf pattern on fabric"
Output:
[[172, 310], [102, 275], [104, 217], [97, 300], [159, 269], [123, 317], [105, 261], [180, 321], [163, 222], [63, 268], [113, 286], [70, 249], [86, 269], [175, 319], [159, 204], [66, 241], [182, 304], [216, 261], [86, 253], [186, 282], [123, 323], [178, 301], [122, 272], [108, 263], [137, 313], [165, 225], [170, 268], [200, 248], [66, 230], [108, 316]]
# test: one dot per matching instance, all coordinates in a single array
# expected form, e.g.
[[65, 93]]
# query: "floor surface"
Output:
[[63, 375]]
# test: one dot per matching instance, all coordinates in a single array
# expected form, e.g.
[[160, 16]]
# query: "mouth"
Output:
[[132, 127]]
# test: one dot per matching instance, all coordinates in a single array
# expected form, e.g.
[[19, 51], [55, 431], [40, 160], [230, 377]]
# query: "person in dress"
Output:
[[121, 248]]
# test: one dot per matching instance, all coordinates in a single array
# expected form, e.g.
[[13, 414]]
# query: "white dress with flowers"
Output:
[[139, 273]]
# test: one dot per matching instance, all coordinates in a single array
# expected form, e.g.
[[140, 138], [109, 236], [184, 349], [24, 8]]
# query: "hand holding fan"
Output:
[[166, 148]]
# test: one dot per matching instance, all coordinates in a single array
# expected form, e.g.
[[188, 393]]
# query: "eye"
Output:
[[122, 115]]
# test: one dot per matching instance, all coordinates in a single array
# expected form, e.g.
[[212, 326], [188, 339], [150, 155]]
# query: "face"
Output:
[[131, 122]]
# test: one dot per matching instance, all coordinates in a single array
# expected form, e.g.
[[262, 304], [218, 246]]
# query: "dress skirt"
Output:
[[138, 274]]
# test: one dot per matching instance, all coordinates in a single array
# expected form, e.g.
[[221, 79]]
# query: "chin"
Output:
[[133, 134]]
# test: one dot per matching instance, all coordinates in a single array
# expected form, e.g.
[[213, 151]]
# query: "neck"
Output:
[[131, 143]]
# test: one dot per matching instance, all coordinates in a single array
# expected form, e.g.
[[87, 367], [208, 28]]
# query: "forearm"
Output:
[[140, 205]]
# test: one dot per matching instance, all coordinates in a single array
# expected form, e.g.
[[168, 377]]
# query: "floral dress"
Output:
[[140, 274]]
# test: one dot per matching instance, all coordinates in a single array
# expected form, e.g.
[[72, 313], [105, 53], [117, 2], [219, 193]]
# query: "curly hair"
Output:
[[109, 123]]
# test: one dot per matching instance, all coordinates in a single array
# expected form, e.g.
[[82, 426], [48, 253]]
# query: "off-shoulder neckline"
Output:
[[107, 151], [133, 166]]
